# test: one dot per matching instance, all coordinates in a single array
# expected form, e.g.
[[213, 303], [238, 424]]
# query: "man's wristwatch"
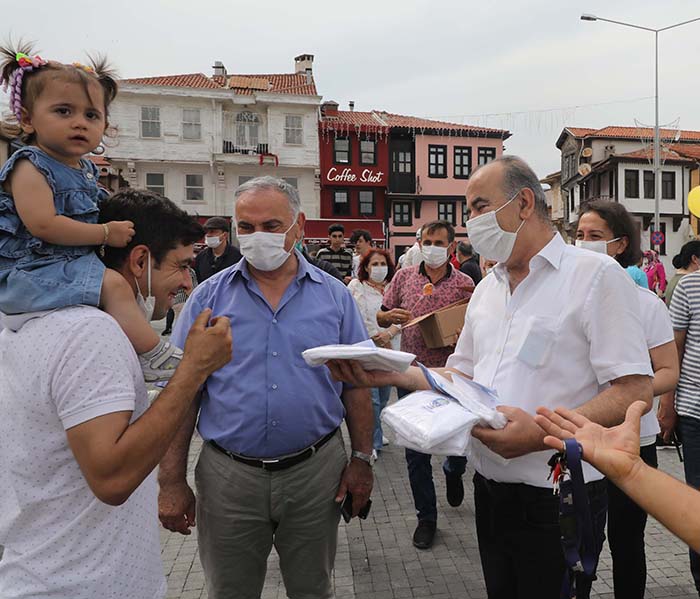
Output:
[[365, 457]]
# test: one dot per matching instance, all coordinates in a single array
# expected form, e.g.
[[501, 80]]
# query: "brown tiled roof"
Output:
[[99, 160], [399, 120], [193, 80], [648, 154], [686, 150], [377, 118], [580, 131], [616, 132], [288, 83]]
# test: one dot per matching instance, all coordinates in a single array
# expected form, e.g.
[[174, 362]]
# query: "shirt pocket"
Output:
[[540, 337]]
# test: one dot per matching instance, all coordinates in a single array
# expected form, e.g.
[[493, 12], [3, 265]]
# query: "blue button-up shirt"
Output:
[[267, 402]]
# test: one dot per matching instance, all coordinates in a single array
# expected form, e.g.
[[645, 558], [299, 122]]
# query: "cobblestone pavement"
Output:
[[376, 559]]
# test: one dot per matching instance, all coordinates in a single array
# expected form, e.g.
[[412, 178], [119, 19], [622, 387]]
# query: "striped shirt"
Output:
[[685, 316], [342, 259]]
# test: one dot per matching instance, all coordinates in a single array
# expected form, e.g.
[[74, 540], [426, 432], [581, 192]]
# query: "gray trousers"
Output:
[[242, 511]]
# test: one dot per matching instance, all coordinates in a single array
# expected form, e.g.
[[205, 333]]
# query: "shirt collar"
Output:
[[304, 270], [421, 270], [551, 253]]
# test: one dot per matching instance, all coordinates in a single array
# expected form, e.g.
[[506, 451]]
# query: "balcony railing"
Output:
[[230, 147], [244, 133]]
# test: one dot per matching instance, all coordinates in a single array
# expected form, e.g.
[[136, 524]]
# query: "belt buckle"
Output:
[[266, 462]]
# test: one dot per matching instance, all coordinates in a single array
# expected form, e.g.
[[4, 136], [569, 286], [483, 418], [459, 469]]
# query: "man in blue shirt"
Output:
[[273, 468]]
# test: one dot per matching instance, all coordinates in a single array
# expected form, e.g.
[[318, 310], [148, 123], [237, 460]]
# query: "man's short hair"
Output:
[[518, 175], [358, 234], [268, 183], [159, 224], [465, 248], [334, 228], [216, 223], [436, 225]]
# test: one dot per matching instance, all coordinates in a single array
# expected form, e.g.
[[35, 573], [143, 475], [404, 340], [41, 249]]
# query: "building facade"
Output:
[[196, 138], [616, 164], [404, 170]]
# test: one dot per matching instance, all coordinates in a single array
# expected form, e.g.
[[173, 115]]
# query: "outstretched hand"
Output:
[[614, 451], [352, 372]]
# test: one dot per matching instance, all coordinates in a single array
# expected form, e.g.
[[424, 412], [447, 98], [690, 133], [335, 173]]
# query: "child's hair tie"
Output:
[[26, 64], [84, 67]]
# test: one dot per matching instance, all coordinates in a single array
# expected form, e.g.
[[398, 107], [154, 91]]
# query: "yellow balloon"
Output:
[[694, 201]]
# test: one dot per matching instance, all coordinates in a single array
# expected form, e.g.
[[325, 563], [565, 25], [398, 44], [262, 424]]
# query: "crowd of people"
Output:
[[560, 331]]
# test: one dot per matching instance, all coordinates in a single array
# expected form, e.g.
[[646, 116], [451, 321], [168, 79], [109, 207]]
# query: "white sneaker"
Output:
[[385, 441], [159, 364], [375, 455]]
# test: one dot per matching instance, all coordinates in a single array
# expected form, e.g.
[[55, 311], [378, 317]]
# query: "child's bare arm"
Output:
[[34, 201]]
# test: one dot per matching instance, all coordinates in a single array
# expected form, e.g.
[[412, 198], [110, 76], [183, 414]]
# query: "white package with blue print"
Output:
[[440, 420], [366, 353]]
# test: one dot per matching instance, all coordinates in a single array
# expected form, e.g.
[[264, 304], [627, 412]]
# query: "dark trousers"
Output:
[[690, 434], [517, 526], [626, 523], [420, 475]]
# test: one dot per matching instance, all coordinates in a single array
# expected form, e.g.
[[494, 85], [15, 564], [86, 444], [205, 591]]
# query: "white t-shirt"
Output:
[[658, 331], [61, 542], [571, 326]]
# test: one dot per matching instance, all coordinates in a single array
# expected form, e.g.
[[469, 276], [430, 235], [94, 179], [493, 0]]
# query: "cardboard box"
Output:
[[441, 327]]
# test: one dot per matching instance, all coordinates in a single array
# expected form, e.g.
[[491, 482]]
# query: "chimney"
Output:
[[329, 109], [219, 69], [309, 76], [303, 63], [351, 105]]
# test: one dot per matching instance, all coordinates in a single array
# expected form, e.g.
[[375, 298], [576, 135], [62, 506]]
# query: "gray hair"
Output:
[[269, 183], [518, 175]]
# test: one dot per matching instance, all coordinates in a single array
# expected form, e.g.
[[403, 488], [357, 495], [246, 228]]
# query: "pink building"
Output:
[[429, 165]]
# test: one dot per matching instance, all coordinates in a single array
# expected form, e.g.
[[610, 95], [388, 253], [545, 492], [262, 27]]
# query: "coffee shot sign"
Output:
[[349, 175]]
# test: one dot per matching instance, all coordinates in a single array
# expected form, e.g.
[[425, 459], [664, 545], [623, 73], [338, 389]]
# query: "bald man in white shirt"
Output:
[[551, 328]]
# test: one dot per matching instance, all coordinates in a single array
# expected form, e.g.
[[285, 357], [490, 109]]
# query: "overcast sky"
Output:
[[456, 60]]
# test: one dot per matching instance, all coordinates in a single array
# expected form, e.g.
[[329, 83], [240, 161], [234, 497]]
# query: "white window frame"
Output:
[[248, 130], [155, 188], [293, 130], [150, 121], [189, 187], [195, 124], [293, 181]]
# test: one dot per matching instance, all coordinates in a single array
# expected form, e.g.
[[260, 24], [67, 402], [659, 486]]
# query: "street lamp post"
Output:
[[657, 142]]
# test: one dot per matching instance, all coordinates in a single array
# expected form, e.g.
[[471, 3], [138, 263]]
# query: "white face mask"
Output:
[[212, 241], [265, 251], [378, 273], [433, 255], [595, 246], [488, 238], [148, 304]]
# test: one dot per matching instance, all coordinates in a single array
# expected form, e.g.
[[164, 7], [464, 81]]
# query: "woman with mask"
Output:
[[374, 273], [608, 228], [685, 262]]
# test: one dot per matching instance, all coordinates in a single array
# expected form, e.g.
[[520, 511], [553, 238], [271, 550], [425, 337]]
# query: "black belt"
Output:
[[274, 464]]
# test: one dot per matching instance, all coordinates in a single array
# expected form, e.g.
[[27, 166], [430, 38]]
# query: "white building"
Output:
[[615, 163], [195, 138]]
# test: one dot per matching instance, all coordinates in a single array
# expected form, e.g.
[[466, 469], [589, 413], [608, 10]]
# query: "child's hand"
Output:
[[120, 233]]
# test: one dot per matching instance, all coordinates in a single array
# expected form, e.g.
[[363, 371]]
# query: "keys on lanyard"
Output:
[[557, 470]]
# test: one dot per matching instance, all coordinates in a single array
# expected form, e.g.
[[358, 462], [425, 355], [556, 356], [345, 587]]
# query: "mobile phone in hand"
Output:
[[346, 508]]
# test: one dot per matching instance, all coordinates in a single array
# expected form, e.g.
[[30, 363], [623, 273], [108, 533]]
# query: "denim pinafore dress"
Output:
[[36, 275]]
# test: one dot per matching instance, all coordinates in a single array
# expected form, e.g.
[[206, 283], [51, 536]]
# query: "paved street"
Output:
[[376, 559]]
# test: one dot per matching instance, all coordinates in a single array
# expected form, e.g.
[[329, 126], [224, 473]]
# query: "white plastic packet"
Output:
[[440, 420], [366, 353]]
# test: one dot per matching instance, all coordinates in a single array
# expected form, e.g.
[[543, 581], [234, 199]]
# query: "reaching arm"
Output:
[[615, 452], [116, 456], [35, 206]]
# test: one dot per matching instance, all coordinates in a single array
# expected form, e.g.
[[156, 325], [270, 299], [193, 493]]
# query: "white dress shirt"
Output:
[[571, 326]]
